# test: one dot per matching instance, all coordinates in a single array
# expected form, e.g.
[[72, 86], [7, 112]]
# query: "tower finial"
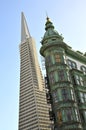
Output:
[[46, 14], [47, 18]]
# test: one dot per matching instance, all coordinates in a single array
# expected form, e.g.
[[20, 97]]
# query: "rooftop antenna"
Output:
[[47, 18], [46, 14]]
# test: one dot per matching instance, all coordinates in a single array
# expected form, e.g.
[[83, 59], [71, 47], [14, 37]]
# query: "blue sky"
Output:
[[69, 19]]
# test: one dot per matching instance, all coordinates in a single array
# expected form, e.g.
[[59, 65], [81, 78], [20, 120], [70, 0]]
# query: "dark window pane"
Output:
[[51, 78], [69, 114], [55, 96], [65, 94], [82, 116], [83, 68], [61, 75], [72, 64], [48, 61]]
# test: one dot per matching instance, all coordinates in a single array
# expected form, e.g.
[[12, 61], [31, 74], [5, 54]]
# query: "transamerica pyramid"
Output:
[[33, 108]]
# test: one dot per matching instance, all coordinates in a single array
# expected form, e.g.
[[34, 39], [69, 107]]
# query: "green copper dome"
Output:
[[50, 32]]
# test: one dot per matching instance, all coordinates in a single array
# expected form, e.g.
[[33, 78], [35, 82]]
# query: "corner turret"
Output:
[[50, 32]]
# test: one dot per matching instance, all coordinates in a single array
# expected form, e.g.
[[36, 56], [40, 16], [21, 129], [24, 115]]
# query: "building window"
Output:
[[83, 69], [82, 97], [54, 39], [52, 78], [68, 76], [61, 75], [79, 80], [83, 116], [72, 94], [59, 117], [57, 58], [64, 58], [55, 96], [77, 115], [45, 41], [64, 94], [69, 114], [72, 64], [85, 97], [48, 61]]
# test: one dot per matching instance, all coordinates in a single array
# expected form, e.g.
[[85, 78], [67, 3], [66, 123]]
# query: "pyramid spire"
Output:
[[24, 28]]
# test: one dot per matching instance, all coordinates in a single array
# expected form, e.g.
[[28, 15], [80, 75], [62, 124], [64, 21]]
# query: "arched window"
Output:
[[72, 64], [83, 69]]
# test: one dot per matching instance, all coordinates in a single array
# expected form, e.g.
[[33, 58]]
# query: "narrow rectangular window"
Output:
[[52, 78], [79, 80], [57, 58], [72, 94], [55, 96], [82, 97], [59, 116], [48, 61], [69, 114], [85, 97], [77, 115], [65, 94], [85, 115], [61, 75], [82, 117]]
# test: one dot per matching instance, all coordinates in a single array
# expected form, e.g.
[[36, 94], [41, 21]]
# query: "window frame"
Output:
[[48, 61], [71, 64], [61, 75], [57, 57], [52, 77], [55, 96], [83, 69], [79, 80], [82, 97], [64, 93]]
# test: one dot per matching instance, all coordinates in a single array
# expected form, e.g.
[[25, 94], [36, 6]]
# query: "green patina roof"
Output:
[[50, 32], [47, 41]]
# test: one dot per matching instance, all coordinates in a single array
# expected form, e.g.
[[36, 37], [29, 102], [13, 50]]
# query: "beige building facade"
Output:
[[33, 108]]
